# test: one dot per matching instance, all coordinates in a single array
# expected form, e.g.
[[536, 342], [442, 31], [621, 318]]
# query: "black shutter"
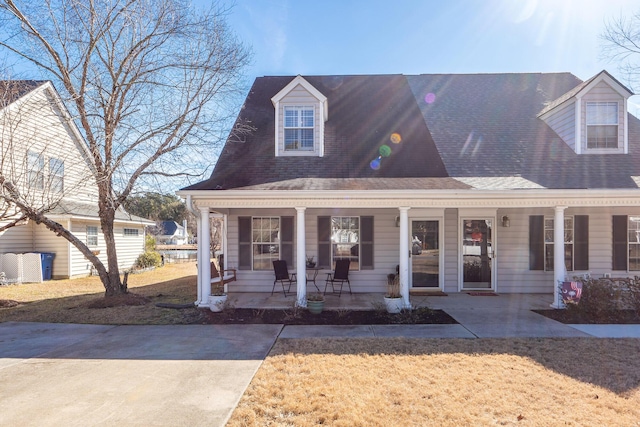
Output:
[[581, 242], [286, 239], [620, 255], [536, 242], [244, 241], [366, 243], [324, 242]]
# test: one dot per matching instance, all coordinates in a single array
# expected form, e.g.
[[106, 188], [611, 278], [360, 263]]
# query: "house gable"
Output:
[[300, 113], [592, 118]]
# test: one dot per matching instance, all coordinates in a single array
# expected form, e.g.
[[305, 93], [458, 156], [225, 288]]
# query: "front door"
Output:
[[425, 254], [477, 253]]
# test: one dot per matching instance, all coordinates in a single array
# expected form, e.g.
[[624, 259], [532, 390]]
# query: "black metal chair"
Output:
[[339, 276], [282, 275]]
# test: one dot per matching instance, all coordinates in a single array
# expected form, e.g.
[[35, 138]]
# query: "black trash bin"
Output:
[[46, 259]]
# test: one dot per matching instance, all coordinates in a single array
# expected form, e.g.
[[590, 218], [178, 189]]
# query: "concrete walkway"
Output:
[[92, 375], [86, 375]]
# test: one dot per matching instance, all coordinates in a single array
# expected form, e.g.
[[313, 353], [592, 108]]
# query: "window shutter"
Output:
[[581, 242], [619, 242], [244, 243], [536, 242], [286, 239], [366, 243], [324, 242]]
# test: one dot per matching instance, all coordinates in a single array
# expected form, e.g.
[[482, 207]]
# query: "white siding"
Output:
[[451, 245], [386, 240], [128, 247], [563, 122], [17, 239], [46, 241]]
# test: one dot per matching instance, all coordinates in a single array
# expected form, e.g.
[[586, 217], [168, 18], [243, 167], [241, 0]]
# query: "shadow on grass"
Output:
[[609, 363]]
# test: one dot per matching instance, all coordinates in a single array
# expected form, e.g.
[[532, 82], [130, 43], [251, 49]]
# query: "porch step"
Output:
[[427, 292]]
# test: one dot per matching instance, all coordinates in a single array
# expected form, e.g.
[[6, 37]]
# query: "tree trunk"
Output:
[[112, 283]]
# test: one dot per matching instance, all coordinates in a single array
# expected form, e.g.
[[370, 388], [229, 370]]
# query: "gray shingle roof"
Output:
[[452, 125], [10, 90]]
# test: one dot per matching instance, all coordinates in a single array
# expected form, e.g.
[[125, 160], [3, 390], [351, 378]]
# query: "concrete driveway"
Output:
[[80, 375]]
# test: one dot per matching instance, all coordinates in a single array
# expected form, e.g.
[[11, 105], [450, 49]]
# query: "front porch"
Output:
[[368, 301]]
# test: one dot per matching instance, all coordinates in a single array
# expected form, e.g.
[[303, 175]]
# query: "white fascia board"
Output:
[[95, 218], [603, 76], [435, 198], [299, 80]]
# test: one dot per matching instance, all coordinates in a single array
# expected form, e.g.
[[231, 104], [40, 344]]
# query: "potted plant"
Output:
[[310, 262], [315, 303], [218, 297], [393, 299]]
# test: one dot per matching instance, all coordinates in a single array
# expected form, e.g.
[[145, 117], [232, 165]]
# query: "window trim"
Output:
[[333, 255], [129, 234], [278, 241], [35, 169], [91, 234], [56, 175], [299, 126], [548, 258], [630, 243], [588, 125]]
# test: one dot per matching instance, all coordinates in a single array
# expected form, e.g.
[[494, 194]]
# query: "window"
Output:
[[56, 174], [602, 125], [133, 232], [265, 242], [345, 240], [568, 243], [92, 235], [35, 168], [634, 243], [576, 239], [298, 128]]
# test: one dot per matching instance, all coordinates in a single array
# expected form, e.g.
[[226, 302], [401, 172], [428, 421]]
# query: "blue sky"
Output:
[[291, 37]]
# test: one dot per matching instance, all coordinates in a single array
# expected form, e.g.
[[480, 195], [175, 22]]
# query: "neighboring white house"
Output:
[[509, 182], [171, 233], [45, 155]]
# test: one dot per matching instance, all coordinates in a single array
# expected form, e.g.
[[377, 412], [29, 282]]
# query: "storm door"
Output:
[[477, 253], [425, 254]]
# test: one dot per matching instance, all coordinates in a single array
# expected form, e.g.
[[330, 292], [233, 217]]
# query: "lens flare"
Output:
[[395, 138], [375, 164], [385, 151], [430, 98]]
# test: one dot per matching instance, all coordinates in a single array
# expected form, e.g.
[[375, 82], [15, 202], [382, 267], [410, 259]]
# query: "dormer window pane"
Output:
[[602, 125], [298, 128]]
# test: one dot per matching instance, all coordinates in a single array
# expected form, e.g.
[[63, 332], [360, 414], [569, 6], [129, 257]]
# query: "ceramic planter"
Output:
[[217, 302], [394, 305], [315, 307]]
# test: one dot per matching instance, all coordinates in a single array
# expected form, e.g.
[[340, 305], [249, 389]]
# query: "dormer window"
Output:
[[300, 113], [602, 125], [298, 128]]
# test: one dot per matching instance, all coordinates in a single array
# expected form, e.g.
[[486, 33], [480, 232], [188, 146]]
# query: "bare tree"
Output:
[[149, 81], [621, 39]]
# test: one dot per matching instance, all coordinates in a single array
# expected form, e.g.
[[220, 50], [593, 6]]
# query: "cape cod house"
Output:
[[481, 182], [44, 154]]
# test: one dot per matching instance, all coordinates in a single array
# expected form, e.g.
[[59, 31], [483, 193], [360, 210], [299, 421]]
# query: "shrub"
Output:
[[632, 295], [149, 259], [599, 301], [149, 243]]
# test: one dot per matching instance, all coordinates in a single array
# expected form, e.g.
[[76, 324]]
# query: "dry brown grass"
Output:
[[68, 301], [445, 382]]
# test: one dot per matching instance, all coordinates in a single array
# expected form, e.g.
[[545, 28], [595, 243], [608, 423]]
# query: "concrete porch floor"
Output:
[[368, 301]]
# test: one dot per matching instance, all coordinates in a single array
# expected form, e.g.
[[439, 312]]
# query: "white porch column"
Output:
[[301, 270], [199, 262], [559, 271], [204, 248], [404, 255]]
